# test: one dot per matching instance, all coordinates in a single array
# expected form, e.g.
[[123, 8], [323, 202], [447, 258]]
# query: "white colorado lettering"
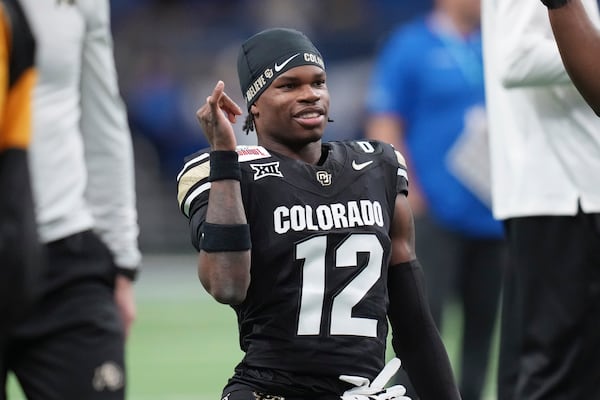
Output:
[[313, 58], [325, 217]]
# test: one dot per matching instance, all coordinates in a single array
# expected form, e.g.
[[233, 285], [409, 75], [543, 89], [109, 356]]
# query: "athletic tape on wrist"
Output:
[[224, 165], [224, 237]]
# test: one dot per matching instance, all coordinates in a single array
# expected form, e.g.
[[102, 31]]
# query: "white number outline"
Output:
[[313, 252]]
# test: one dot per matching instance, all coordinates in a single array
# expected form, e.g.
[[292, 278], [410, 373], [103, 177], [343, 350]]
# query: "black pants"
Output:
[[71, 346], [468, 271], [550, 330]]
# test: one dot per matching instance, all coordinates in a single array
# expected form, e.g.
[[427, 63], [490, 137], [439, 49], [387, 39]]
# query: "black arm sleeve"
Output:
[[415, 338], [196, 222]]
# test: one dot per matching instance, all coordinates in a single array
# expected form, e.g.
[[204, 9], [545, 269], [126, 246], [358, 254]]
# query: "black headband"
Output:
[[270, 53]]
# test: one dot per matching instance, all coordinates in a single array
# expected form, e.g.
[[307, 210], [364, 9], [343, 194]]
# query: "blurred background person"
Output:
[[19, 247], [427, 99], [71, 344], [578, 41], [545, 158]]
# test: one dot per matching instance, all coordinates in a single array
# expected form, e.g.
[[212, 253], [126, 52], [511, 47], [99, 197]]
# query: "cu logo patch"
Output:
[[324, 178], [109, 376]]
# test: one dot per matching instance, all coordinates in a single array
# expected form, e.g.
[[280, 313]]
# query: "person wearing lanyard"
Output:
[[426, 97]]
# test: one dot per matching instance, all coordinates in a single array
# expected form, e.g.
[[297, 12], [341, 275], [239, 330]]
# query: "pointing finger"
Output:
[[219, 99], [215, 98]]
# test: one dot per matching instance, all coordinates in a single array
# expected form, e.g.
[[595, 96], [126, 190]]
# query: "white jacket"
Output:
[[81, 152], [544, 138]]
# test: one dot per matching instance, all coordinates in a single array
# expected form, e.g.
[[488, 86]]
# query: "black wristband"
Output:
[[553, 4], [224, 165], [129, 273], [225, 237]]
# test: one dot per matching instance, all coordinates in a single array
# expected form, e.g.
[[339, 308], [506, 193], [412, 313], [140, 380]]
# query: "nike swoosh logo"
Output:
[[360, 166], [279, 67]]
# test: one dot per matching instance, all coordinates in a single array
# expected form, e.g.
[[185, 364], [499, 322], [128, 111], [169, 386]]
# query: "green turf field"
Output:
[[184, 344]]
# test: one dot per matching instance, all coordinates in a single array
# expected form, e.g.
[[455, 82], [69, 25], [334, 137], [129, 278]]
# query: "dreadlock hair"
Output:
[[249, 123]]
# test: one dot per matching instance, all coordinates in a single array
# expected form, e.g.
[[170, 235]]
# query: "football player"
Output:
[[311, 243]]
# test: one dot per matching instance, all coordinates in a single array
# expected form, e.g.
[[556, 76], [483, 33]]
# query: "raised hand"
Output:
[[216, 118]]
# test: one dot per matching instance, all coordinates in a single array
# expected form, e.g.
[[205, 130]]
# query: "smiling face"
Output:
[[292, 112]]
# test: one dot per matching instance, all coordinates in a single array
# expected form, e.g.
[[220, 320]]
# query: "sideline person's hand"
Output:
[[216, 118], [552, 4], [125, 299]]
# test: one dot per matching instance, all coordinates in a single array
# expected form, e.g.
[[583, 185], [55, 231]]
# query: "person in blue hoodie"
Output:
[[427, 98]]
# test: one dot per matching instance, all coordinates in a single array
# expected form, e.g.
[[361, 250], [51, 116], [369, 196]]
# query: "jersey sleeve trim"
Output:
[[191, 163], [185, 207], [192, 181]]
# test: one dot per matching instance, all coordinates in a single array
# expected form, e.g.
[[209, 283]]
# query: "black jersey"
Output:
[[317, 301]]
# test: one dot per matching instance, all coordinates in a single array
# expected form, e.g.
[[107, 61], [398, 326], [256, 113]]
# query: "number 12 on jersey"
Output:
[[313, 251]]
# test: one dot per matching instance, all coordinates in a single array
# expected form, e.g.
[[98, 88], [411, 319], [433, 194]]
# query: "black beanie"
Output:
[[270, 53]]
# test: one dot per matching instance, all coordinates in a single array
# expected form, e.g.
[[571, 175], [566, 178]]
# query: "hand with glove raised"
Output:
[[375, 390]]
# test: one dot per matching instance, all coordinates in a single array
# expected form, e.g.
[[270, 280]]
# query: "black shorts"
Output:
[[252, 383], [71, 347], [239, 392]]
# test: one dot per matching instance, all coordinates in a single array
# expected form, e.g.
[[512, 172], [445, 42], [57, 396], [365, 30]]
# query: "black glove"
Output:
[[552, 4]]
